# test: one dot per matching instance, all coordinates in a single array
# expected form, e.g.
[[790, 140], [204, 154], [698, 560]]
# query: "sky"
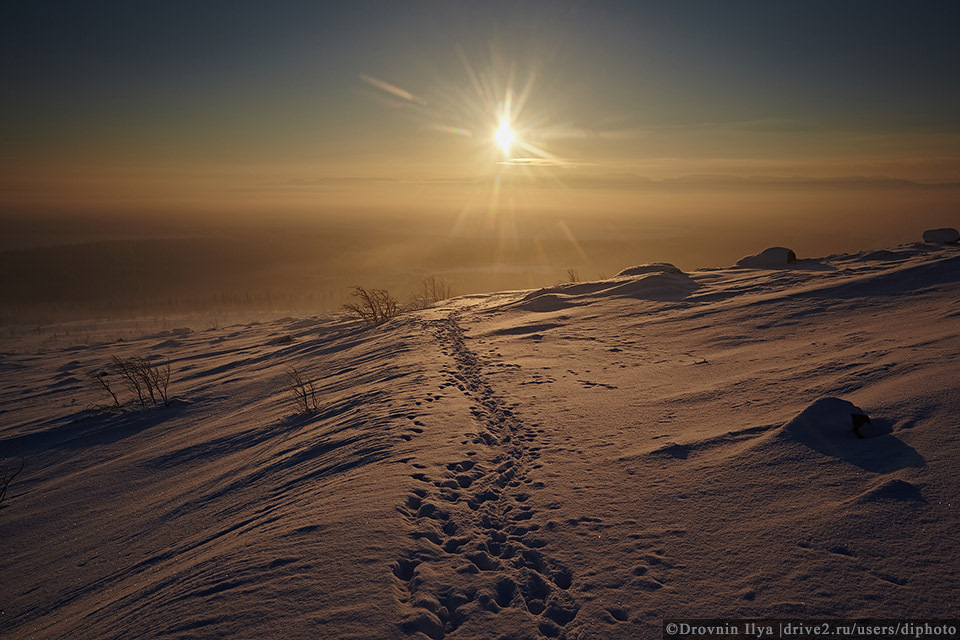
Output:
[[206, 105]]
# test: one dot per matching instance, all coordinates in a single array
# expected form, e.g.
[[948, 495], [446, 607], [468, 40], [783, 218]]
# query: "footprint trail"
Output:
[[478, 555]]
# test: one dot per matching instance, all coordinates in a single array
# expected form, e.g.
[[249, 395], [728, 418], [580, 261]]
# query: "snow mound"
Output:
[[657, 286], [770, 258], [879, 255], [652, 267], [891, 490], [827, 424], [946, 235], [840, 429], [654, 286]]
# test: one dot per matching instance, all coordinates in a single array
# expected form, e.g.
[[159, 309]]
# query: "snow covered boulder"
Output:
[[830, 425], [942, 236], [652, 267], [768, 259], [840, 429]]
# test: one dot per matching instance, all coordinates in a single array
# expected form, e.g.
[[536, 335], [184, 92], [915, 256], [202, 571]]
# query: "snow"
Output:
[[942, 236], [771, 258], [652, 267], [826, 423], [576, 462], [644, 283]]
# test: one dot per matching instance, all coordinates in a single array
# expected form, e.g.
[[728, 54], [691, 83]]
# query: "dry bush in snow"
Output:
[[7, 479], [102, 377], [373, 306], [432, 290], [304, 391], [147, 381]]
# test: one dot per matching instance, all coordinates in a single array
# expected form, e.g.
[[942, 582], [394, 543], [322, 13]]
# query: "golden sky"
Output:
[[233, 106]]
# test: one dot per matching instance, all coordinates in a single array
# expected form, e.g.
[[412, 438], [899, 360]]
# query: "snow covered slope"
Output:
[[573, 462]]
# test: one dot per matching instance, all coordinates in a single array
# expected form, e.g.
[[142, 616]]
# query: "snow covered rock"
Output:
[[768, 259], [828, 425], [946, 235], [653, 267]]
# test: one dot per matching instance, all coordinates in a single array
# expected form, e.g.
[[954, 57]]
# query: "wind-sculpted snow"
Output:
[[771, 258], [659, 284], [573, 462], [829, 426], [828, 422], [893, 489], [946, 235], [653, 267]]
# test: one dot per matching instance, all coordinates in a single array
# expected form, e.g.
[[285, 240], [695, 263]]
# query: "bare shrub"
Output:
[[160, 376], [7, 479], [432, 290], [144, 379], [129, 378], [573, 276], [101, 378], [373, 306], [304, 391]]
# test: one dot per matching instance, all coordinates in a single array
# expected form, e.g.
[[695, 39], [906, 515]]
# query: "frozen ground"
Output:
[[575, 462]]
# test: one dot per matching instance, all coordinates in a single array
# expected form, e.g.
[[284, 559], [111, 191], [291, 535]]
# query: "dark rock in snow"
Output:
[[858, 420]]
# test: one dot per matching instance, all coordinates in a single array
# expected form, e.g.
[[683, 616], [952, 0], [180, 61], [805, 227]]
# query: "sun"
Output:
[[505, 136]]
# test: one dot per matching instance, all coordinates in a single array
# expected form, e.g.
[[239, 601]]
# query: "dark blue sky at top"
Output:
[[839, 63]]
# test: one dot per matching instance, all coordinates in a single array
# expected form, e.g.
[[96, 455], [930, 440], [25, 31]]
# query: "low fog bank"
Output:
[[69, 267]]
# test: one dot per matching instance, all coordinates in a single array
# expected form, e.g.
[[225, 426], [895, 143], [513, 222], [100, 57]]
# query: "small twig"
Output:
[[304, 391], [8, 479], [101, 377]]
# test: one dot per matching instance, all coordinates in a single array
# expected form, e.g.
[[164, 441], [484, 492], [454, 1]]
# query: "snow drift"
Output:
[[770, 258], [942, 236], [828, 423], [655, 282], [652, 267]]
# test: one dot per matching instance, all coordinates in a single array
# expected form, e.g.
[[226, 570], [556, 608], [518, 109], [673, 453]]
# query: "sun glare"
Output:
[[487, 107], [504, 136]]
